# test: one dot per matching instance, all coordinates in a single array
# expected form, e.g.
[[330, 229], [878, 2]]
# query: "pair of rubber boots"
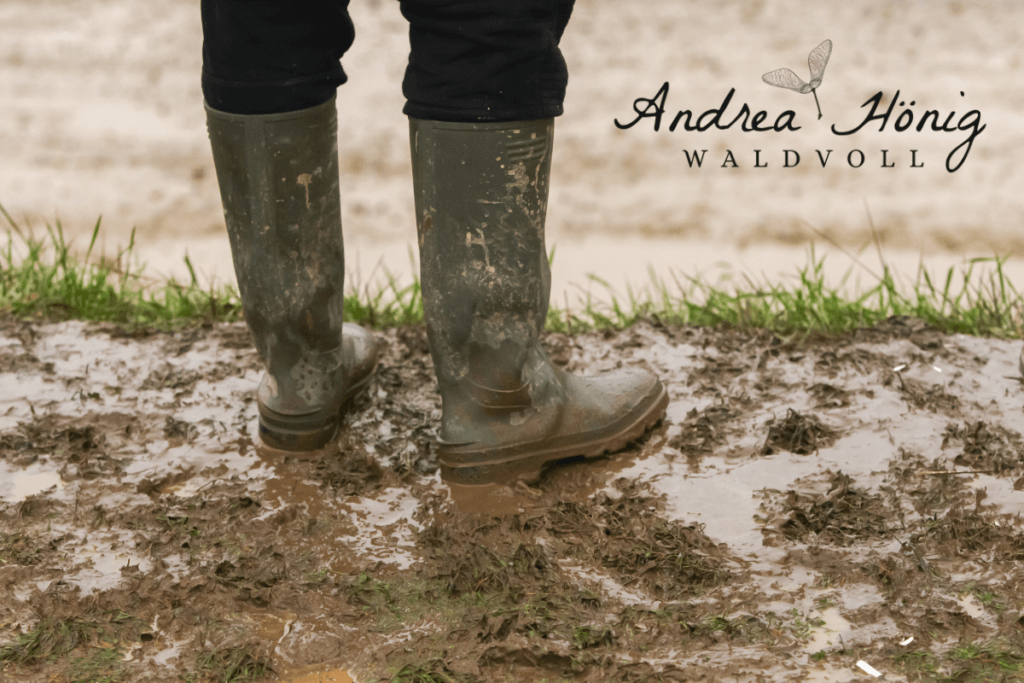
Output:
[[481, 196]]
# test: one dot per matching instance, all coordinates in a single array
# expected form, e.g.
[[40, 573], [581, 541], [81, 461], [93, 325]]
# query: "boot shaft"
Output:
[[481, 196], [278, 178]]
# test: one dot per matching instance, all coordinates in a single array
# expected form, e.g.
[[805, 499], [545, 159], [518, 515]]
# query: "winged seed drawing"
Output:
[[784, 78]]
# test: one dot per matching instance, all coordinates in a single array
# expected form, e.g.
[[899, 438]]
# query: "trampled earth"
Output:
[[805, 505]]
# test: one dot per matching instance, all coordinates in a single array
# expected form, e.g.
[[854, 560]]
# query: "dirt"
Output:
[[806, 504]]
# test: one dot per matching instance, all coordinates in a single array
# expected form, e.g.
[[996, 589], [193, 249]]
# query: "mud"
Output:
[[805, 505]]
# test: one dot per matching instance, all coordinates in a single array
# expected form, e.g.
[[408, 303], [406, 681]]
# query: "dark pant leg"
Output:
[[271, 56], [485, 60]]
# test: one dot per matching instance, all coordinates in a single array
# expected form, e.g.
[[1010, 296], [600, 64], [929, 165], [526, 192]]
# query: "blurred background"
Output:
[[101, 113]]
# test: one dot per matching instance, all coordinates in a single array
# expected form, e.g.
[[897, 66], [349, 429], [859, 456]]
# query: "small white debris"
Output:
[[936, 368], [908, 641], [901, 366], [868, 669]]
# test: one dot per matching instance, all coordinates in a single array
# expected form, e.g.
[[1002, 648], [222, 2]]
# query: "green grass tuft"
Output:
[[51, 639], [90, 651], [49, 282], [231, 664], [971, 302]]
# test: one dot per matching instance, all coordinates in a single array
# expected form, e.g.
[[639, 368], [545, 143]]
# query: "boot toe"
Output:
[[605, 397], [599, 414]]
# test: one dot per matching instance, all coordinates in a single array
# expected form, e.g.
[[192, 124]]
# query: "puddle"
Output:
[[286, 483], [826, 636], [1000, 492], [490, 499], [169, 655], [18, 483], [972, 607], [101, 560], [385, 525]]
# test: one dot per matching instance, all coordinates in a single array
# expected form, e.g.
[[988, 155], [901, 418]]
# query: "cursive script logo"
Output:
[[971, 121], [749, 120], [784, 78]]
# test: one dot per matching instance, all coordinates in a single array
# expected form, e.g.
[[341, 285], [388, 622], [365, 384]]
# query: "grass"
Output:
[[17, 548], [100, 665], [997, 660], [432, 670], [231, 664], [917, 663], [91, 651], [48, 281], [49, 640]]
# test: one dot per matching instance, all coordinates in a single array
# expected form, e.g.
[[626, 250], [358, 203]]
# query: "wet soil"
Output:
[[806, 504]]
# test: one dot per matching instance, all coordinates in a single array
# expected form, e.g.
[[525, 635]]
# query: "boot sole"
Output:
[[470, 464], [310, 431]]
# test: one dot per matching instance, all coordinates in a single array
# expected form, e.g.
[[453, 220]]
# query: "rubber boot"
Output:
[[278, 177], [481, 195]]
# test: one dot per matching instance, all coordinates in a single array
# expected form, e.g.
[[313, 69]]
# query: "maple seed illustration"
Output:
[[784, 78]]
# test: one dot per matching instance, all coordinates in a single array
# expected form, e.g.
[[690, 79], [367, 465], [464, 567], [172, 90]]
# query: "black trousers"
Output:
[[470, 60]]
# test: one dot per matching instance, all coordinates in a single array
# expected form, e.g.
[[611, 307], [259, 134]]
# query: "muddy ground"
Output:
[[804, 506]]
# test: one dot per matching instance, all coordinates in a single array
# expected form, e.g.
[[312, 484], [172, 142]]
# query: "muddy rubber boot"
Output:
[[278, 177], [481, 196]]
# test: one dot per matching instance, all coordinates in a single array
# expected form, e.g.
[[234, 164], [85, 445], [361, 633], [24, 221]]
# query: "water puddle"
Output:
[[286, 484], [827, 635], [491, 499], [18, 483], [972, 607], [100, 560], [384, 527], [172, 653]]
